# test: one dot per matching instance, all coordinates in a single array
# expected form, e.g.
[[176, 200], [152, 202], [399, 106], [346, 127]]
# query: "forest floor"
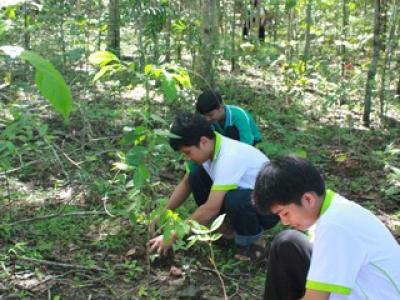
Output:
[[62, 233]]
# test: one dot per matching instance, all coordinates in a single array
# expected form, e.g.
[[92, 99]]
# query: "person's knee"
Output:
[[198, 177], [286, 241], [235, 201]]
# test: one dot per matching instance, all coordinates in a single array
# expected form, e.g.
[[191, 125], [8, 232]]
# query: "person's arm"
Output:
[[178, 196], [315, 295], [206, 212], [180, 193], [242, 123]]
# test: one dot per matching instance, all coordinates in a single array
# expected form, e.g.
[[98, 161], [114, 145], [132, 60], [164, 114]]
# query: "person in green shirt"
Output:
[[229, 120]]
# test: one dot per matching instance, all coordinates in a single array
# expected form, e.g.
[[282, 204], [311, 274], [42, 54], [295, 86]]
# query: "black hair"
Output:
[[188, 129], [208, 101], [284, 180]]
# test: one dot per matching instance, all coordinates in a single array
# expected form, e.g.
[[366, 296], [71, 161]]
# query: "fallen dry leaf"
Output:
[[175, 271], [131, 252]]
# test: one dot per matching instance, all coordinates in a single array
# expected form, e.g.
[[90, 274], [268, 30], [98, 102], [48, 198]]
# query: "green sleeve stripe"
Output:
[[327, 287], [226, 187]]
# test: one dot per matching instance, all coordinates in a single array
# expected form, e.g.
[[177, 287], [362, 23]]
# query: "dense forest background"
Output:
[[88, 90]]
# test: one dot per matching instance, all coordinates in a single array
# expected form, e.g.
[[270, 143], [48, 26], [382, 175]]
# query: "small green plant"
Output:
[[209, 235]]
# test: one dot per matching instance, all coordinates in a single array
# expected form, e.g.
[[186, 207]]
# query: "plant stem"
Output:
[[212, 260]]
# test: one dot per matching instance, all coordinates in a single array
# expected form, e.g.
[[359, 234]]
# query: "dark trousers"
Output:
[[288, 264], [238, 206]]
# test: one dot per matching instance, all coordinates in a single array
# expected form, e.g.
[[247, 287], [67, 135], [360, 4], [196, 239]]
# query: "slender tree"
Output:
[[306, 52], [209, 39], [113, 41], [233, 30], [391, 44], [372, 68]]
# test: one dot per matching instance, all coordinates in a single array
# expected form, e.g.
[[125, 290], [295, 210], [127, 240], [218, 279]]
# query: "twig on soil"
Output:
[[19, 168], [53, 149], [241, 286], [105, 207], [62, 265], [74, 213], [70, 159]]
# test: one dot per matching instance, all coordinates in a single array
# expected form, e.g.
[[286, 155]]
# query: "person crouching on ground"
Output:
[[352, 255], [229, 120], [222, 182]]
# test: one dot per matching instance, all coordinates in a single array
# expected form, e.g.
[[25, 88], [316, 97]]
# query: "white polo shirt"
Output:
[[234, 164], [354, 255]]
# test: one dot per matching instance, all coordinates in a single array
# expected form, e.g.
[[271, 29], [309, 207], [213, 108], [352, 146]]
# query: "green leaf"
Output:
[[159, 119], [300, 153], [200, 230], [104, 70], [141, 176], [103, 58], [217, 222], [136, 155], [169, 88], [121, 166], [50, 83], [216, 236], [192, 241], [290, 4], [178, 26], [180, 230], [341, 157], [167, 233], [148, 69]]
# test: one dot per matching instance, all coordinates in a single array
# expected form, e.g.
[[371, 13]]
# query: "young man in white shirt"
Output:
[[352, 255], [222, 182]]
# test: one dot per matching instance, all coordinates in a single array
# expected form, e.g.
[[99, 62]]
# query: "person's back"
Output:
[[229, 120], [230, 166], [352, 241]]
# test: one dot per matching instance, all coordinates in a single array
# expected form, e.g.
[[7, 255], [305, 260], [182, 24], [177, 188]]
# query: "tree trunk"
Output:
[[276, 22], [113, 40], [307, 34], [168, 35], [233, 30], [372, 69], [289, 36], [384, 8], [208, 43], [62, 35], [391, 44], [345, 24], [142, 49], [27, 35], [343, 53]]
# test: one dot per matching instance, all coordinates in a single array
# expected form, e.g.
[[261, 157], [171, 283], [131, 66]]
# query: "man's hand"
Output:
[[158, 244]]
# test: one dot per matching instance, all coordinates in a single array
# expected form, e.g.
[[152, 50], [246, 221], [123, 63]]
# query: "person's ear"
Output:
[[203, 141], [309, 199]]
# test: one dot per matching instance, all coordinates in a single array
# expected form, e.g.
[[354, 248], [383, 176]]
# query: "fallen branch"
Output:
[[74, 213], [62, 265], [246, 289], [4, 173]]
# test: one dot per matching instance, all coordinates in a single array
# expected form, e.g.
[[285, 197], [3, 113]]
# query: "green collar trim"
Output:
[[327, 201], [217, 146]]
